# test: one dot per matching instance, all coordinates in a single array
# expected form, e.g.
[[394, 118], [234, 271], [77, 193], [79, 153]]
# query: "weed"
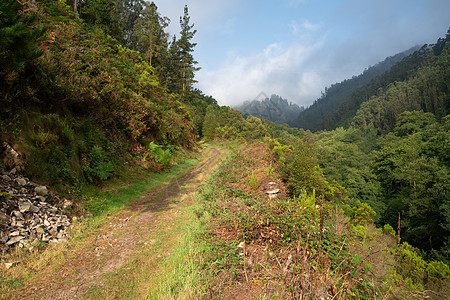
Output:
[[98, 167], [161, 155], [254, 181]]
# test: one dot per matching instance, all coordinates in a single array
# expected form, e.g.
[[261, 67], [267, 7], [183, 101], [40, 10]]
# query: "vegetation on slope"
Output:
[[91, 89], [78, 104], [318, 115], [301, 244]]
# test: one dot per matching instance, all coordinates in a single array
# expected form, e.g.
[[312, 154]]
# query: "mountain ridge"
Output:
[[275, 109], [338, 93]]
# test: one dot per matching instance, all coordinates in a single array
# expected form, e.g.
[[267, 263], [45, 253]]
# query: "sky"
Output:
[[296, 48]]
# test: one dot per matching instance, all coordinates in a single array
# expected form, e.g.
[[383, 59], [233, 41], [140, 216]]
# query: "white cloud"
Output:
[[276, 70], [311, 26], [296, 29], [296, 3]]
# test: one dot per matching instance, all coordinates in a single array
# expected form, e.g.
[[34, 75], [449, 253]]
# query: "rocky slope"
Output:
[[30, 215]]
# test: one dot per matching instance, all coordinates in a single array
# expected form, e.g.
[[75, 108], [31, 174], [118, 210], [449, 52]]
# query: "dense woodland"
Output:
[[90, 87], [325, 109]]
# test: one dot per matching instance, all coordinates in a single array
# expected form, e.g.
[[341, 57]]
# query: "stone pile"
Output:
[[30, 215]]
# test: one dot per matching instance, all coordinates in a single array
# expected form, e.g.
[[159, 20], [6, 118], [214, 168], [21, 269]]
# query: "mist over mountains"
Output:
[[279, 110], [275, 109]]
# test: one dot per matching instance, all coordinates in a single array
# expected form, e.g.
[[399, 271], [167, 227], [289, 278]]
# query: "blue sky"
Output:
[[295, 48]]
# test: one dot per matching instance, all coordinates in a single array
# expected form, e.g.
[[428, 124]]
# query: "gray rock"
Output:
[[41, 190], [4, 219], [40, 230], [11, 158], [18, 215], [26, 218], [34, 209], [3, 238], [67, 204], [6, 178], [14, 240], [24, 207], [21, 181]]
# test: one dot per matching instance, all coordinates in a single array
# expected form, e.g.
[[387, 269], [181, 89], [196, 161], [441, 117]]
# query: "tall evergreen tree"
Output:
[[184, 47], [19, 39], [149, 36], [127, 13]]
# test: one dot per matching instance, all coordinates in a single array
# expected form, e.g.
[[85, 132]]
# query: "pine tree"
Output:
[[127, 13], [19, 39], [185, 48], [150, 39]]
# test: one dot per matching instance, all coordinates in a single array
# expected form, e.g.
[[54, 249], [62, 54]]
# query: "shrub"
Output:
[[437, 270], [160, 155], [362, 213], [97, 167]]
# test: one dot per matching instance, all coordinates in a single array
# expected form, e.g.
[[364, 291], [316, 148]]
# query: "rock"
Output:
[[67, 204], [11, 158], [40, 230], [29, 213], [18, 215], [21, 181], [4, 219], [11, 264], [14, 240], [6, 178], [3, 237], [272, 190], [275, 191], [24, 207], [34, 209], [41, 190], [53, 232]]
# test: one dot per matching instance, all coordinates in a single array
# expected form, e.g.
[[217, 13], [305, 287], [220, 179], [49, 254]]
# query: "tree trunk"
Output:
[[75, 5]]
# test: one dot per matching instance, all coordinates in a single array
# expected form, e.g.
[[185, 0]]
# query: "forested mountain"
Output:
[[274, 109], [315, 116]]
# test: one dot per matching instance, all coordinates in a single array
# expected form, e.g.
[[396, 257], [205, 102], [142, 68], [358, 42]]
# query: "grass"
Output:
[[164, 267], [104, 204], [166, 264]]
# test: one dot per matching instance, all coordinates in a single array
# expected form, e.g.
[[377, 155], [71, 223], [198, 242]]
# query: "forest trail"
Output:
[[141, 236]]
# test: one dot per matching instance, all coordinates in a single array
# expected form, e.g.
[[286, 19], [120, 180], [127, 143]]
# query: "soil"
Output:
[[108, 248]]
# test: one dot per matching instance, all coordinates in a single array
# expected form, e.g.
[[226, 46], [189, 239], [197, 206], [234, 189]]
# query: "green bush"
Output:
[[97, 167], [160, 155], [362, 213], [437, 270], [387, 229]]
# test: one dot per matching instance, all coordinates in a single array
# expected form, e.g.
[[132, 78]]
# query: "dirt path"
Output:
[[112, 246]]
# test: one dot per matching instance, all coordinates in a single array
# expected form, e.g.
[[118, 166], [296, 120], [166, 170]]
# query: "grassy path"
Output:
[[145, 251]]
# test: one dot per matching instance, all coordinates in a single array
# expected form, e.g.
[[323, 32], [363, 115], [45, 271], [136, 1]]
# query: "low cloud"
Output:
[[276, 69]]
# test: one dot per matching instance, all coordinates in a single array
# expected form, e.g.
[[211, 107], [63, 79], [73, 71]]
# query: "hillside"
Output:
[[339, 93], [121, 180], [274, 109], [78, 105]]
